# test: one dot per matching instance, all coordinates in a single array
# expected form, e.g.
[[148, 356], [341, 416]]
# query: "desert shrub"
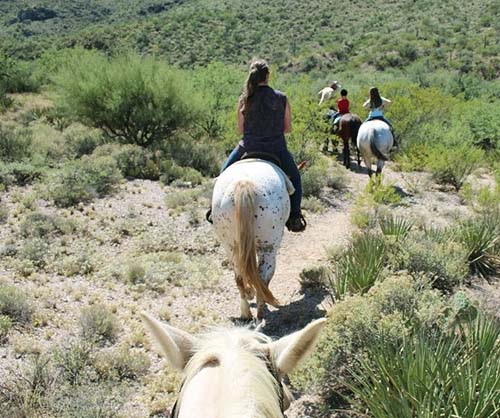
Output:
[[132, 99], [24, 392], [135, 273], [17, 76], [387, 313], [15, 144], [5, 326], [179, 199], [435, 254], [315, 277], [19, 173], [171, 172], [83, 180], [481, 238], [81, 140], [35, 251], [205, 156], [73, 359], [121, 364], [313, 204], [357, 269], [15, 304], [132, 160], [461, 368], [314, 178], [41, 225], [98, 324], [382, 193], [4, 213], [76, 264], [453, 163]]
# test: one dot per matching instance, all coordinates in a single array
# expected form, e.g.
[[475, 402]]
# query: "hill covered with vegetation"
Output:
[[296, 35]]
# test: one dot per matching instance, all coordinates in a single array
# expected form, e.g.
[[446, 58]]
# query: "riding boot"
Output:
[[296, 222]]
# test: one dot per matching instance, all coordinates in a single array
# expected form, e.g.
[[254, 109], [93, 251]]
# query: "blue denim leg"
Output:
[[290, 168], [235, 156]]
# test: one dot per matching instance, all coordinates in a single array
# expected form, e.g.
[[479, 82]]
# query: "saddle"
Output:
[[266, 156]]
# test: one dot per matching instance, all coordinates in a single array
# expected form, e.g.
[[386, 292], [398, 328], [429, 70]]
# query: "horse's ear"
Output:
[[177, 345], [290, 350]]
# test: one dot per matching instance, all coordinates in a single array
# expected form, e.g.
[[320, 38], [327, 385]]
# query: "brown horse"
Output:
[[348, 130]]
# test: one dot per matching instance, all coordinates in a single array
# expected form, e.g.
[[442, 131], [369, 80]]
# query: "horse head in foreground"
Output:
[[375, 141], [250, 206], [231, 373]]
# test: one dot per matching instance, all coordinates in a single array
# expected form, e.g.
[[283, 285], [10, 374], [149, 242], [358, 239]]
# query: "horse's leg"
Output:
[[380, 166], [244, 305], [267, 266], [368, 164], [347, 153], [359, 156]]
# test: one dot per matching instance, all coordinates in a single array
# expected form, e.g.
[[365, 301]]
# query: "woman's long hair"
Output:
[[259, 69], [375, 99]]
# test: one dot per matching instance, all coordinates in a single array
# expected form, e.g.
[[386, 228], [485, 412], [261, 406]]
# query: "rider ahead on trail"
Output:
[[328, 92], [264, 117], [377, 104]]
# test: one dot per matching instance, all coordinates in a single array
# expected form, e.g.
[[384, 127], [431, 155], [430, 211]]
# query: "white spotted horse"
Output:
[[375, 141], [232, 372], [250, 206]]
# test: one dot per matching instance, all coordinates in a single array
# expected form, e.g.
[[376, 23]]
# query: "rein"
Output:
[[270, 367]]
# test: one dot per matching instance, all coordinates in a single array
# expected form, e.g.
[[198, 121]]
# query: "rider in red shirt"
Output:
[[343, 102]]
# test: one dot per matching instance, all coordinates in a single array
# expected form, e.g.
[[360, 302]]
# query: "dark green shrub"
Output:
[[19, 173], [132, 99], [382, 193], [98, 324], [5, 326], [81, 140], [73, 360], [171, 172], [315, 277], [392, 226], [83, 180], [14, 304], [132, 160], [36, 251]]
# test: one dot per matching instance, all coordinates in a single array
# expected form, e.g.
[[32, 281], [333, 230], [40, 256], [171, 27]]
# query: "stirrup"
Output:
[[296, 223], [208, 216]]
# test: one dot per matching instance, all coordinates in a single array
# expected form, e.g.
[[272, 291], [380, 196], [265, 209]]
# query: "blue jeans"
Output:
[[289, 167]]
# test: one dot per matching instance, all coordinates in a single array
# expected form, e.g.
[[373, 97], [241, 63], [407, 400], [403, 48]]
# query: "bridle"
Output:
[[270, 367]]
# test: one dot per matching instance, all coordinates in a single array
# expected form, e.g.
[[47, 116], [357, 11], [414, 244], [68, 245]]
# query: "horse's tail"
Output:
[[354, 125], [245, 252], [375, 150]]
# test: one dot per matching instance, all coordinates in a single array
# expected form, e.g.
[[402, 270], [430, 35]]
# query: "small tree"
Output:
[[132, 99]]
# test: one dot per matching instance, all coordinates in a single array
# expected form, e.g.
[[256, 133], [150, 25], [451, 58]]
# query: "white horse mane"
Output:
[[243, 370]]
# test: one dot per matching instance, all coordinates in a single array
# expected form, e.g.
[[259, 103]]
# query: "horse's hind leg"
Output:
[[380, 166], [347, 154], [244, 296], [267, 266]]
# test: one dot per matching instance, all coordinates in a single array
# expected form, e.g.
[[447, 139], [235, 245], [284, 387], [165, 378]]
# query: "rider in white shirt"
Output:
[[328, 92]]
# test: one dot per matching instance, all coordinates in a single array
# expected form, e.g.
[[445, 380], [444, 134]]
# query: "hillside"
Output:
[[296, 35]]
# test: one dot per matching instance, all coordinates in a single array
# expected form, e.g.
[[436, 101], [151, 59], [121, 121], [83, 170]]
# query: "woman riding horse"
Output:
[[264, 117]]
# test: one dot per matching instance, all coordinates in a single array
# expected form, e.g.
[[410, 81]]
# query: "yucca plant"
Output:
[[453, 375], [359, 267], [481, 238], [394, 226]]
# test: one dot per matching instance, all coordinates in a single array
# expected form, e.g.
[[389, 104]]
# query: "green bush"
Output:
[[35, 251], [315, 277], [98, 324], [83, 180], [382, 193], [434, 254], [392, 226], [461, 368], [41, 225], [315, 178], [387, 314], [15, 304], [15, 144], [73, 359], [132, 160], [171, 172], [121, 364], [4, 213], [19, 173], [81, 140], [453, 163], [132, 99], [5, 326]]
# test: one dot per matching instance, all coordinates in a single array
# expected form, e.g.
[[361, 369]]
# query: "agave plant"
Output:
[[396, 227], [448, 375], [360, 266], [481, 238]]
